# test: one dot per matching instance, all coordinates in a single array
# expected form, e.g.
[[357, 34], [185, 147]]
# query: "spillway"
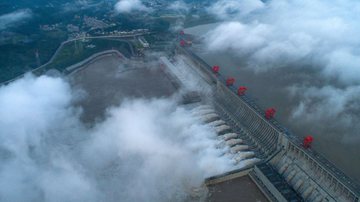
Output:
[[227, 139], [273, 158]]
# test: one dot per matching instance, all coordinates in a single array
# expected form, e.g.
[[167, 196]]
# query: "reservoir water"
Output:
[[271, 89]]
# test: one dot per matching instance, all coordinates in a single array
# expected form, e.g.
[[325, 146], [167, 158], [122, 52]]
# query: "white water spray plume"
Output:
[[144, 150]]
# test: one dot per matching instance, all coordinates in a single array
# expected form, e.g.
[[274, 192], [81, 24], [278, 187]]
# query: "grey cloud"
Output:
[[127, 6], [179, 6], [289, 34], [294, 30], [228, 9], [16, 17]]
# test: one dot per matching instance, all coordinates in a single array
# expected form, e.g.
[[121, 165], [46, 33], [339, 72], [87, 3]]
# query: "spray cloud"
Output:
[[145, 150]]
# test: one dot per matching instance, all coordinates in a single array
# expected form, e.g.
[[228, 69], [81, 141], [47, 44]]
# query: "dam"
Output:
[[276, 159], [271, 164]]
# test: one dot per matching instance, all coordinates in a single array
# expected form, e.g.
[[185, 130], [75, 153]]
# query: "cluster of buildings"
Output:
[[78, 35], [94, 23], [72, 28], [50, 27], [80, 25], [123, 33]]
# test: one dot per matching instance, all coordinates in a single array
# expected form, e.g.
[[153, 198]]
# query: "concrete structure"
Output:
[[143, 42], [286, 171]]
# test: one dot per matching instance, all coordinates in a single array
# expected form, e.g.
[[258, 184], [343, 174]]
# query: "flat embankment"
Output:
[[238, 189]]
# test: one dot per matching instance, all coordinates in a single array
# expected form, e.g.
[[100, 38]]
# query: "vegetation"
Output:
[[192, 21], [76, 51]]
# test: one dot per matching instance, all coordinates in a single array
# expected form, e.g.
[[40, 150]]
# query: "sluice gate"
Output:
[[287, 171]]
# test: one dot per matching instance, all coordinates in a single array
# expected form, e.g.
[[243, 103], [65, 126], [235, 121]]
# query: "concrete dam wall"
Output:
[[285, 165]]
